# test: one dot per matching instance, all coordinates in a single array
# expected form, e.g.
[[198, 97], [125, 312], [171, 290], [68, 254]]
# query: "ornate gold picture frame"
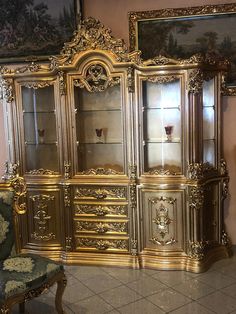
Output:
[[36, 29], [182, 32]]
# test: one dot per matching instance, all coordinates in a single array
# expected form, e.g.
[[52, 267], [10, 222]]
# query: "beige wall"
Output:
[[114, 14]]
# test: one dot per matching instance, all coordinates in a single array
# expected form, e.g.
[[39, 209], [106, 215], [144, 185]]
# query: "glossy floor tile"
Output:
[[100, 290]]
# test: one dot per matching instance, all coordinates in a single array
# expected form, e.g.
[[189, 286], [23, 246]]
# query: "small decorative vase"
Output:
[[169, 131], [99, 135]]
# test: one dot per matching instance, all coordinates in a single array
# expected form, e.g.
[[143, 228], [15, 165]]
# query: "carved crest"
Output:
[[96, 79]]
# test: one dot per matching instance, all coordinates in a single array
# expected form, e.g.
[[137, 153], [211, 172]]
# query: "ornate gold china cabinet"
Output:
[[122, 157]]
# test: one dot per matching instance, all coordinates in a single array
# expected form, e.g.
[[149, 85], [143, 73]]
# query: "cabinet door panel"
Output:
[[44, 218], [162, 219]]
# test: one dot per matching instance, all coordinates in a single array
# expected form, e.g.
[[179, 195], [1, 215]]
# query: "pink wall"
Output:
[[114, 14]]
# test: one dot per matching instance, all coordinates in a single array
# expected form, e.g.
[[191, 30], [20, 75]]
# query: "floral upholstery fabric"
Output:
[[24, 272], [7, 236]]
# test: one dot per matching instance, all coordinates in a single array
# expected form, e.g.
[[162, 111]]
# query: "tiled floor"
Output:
[[97, 290]]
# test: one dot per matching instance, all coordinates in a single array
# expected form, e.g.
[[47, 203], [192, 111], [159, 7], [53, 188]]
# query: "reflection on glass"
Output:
[[99, 129], [162, 126], [209, 122], [40, 128]]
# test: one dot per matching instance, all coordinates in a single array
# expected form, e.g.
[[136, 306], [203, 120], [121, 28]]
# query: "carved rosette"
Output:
[[96, 79], [100, 211], [102, 228], [197, 250], [100, 193], [41, 217], [196, 197], [7, 90], [102, 245]]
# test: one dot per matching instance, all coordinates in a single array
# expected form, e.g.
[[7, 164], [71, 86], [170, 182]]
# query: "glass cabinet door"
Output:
[[162, 127], [39, 121], [99, 127], [209, 122]]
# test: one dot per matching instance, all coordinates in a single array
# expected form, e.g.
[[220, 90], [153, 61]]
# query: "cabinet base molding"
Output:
[[178, 261]]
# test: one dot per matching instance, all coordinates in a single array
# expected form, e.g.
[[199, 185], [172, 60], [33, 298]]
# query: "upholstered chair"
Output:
[[22, 276]]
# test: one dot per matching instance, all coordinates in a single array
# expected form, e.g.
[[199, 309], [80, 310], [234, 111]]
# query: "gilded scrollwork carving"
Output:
[[102, 245], [93, 35], [11, 171], [162, 219], [62, 82], [223, 167], [102, 227], [198, 171], [134, 247], [197, 250], [225, 189], [157, 241], [41, 217], [225, 239], [175, 12], [68, 244], [101, 193], [67, 170], [19, 186], [161, 79], [133, 186], [41, 171], [96, 79], [37, 84], [100, 171], [196, 197], [130, 79], [67, 195], [195, 82], [101, 210], [7, 90], [162, 172]]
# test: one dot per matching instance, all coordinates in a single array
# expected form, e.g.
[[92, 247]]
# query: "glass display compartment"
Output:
[[162, 126], [209, 122], [39, 122], [99, 128]]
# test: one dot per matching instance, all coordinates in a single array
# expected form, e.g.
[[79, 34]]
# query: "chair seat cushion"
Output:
[[24, 272]]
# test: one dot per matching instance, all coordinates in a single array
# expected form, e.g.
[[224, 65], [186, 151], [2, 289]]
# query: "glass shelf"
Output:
[[173, 141], [98, 110], [39, 111], [94, 143], [45, 143]]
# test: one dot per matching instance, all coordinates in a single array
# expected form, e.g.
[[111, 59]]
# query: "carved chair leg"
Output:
[[22, 308], [61, 285]]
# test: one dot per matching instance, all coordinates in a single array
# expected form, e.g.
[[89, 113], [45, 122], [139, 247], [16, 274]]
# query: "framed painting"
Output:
[[36, 29], [182, 32]]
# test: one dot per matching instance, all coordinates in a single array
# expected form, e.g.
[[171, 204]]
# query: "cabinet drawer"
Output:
[[100, 193], [120, 244], [101, 226], [101, 210]]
